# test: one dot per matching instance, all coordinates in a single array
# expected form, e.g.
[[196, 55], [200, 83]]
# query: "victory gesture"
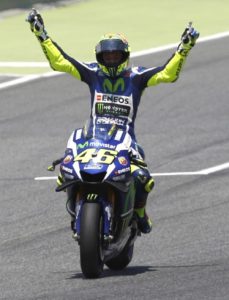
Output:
[[37, 25], [188, 39]]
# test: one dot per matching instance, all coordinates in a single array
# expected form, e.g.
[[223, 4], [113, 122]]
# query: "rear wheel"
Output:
[[123, 259], [91, 253]]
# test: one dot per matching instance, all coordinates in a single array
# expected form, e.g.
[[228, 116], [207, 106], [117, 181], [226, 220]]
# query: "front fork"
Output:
[[107, 213]]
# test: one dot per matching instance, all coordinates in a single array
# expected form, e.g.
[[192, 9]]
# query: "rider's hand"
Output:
[[37, 25], [188, 40]]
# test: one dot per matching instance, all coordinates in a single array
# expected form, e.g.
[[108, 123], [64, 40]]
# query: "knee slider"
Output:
[[144, 178], [149, 185], [141, 175]]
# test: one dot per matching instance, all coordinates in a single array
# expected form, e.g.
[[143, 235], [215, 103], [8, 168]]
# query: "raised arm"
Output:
[[58, 59], [171, 70]]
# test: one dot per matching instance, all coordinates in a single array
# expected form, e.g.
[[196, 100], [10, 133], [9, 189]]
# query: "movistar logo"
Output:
[[112, 88], [81, 146]]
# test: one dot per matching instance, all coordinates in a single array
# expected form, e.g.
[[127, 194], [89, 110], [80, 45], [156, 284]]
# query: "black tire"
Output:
[[91, 254], [123, 259]]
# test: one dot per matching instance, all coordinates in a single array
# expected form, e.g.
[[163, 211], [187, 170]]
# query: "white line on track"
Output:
[[24, 79], [205, 172], [46, 178], [23, 64], [174, 45]]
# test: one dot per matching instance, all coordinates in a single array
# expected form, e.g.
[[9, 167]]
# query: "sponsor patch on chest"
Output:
[[109, 98]]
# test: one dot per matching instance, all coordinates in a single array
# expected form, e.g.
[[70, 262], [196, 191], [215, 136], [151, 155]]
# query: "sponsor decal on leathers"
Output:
[[107, 120], [113, 98], [112, 109], [113, 87]]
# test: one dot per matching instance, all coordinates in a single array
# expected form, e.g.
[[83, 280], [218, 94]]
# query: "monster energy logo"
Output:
[[99, 107], [112, 88], [92, 196], [112, 109]]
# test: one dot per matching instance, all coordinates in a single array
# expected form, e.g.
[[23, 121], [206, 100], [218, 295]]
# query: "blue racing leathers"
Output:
[[116, 100], [113, 100]]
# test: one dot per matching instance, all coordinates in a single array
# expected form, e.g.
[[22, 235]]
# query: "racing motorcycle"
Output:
[[97, 168]]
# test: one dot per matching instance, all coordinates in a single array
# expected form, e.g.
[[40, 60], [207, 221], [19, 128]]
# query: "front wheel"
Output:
[[91, 254]]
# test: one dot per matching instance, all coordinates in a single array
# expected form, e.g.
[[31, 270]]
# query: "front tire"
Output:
[[91, 254]]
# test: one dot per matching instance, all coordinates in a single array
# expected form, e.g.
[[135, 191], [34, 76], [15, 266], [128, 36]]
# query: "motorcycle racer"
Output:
[[116, 91]]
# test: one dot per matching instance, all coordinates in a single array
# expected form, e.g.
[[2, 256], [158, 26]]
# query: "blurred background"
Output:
[[10, 4], [76, 25]]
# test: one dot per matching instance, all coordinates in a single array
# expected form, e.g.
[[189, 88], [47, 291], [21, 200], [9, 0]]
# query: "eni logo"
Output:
[[112, 88]]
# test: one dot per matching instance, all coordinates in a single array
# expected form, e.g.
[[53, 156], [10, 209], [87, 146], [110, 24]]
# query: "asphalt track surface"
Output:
[[183, 127]]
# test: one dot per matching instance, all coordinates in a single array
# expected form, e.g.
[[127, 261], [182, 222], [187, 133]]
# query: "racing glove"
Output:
[[188, 40], [37, 25]]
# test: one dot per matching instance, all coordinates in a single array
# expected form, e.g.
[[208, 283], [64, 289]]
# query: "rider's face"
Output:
[[112, 58]]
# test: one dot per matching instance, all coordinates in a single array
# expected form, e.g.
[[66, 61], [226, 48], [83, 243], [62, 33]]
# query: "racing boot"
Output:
[[144, 222], [144, 184]]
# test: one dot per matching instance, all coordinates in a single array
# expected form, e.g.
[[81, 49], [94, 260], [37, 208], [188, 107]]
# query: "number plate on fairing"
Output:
[[102, 156]]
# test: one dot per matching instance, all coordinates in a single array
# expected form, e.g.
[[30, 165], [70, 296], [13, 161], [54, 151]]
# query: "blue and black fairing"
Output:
[[98, 157]]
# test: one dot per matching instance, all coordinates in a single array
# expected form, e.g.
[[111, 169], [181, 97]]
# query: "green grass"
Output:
[[77, 28]]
